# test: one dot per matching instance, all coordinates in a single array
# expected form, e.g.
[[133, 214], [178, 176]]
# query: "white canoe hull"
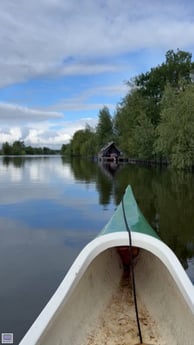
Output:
[[76, 314]]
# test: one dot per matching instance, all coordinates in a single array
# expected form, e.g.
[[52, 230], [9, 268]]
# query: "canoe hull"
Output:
[[73, 314]]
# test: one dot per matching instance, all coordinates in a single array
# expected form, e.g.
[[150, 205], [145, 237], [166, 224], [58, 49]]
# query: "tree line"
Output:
[[18, 148], [155, 120]]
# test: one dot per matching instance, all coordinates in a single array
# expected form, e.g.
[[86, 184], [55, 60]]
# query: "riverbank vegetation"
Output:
[[155, 120], [18, 148]]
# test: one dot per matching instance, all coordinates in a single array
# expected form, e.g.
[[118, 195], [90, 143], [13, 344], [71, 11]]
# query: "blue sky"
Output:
[[61, 61]]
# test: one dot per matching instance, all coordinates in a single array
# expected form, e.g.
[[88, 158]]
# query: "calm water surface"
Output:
[[50, 208]]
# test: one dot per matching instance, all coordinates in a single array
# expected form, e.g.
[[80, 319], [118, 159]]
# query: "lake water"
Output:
[[50, 208]]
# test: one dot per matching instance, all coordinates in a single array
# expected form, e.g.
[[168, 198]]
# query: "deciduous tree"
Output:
[[176, 130], [104, 129]]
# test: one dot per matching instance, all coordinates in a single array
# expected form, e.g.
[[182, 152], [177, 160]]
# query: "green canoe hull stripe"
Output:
[[135, 219]]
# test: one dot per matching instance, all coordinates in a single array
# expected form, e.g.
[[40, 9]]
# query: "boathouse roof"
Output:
[[109, 149]]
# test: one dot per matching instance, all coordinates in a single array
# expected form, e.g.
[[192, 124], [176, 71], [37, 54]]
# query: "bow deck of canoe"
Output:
[[94, 304]]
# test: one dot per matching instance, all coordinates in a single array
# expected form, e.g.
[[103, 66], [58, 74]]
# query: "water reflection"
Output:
[[32, 264], [165, 197], [18, 162], [51, 207]]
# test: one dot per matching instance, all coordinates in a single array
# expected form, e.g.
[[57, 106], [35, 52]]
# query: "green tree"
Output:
[[83, 142], [104, 129], [176, 130], [29, 150], [65, 150], [124, 120], [135, 132], [143, 138], [151, 85], [6, 149], [18, 148], [76, 142], [178, 67], [89, 147]]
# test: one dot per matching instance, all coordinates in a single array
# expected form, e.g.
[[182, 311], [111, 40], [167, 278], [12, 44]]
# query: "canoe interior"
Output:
[[100, 309]]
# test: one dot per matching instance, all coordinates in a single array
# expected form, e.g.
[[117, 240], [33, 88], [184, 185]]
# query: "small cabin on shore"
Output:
[[109, 153]]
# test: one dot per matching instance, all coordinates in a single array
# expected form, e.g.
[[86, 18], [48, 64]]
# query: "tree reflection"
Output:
[[17, 162], [165, 197]]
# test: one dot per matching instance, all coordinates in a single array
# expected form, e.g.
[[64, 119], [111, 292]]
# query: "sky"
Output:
[[62, 61]]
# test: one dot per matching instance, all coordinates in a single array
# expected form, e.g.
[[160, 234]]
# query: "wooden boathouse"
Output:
[[110, 153]]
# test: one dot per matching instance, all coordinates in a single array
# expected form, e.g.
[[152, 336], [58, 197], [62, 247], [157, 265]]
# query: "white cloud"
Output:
[[45, 133], [55, 137], [10, 134], [87, 68], [38, 36], [36, 127], [15, 113]]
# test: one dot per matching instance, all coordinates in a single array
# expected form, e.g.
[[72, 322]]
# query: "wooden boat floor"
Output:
[[117, 325]]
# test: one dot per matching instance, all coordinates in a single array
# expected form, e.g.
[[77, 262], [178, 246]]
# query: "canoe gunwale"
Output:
[[80, 265]]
